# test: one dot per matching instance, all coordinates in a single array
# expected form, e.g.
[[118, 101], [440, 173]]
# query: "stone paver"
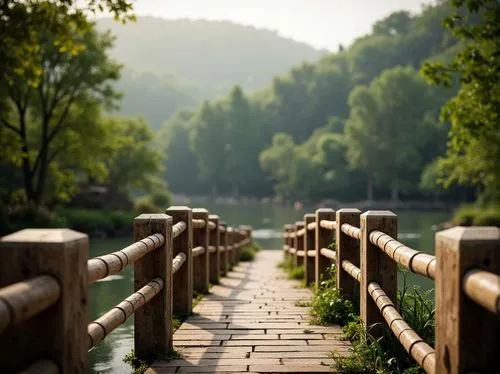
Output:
[[251, 322]]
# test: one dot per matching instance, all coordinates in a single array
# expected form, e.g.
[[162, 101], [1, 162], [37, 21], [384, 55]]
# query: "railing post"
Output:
[[376, 266], [347, 248], [230, 242], [287, 241], [467, 335], [201, 263], [214, 258], [323, 238], [183, 278], [224, 261], [298, 243], [153, 322], [309, 239], [60, 332]]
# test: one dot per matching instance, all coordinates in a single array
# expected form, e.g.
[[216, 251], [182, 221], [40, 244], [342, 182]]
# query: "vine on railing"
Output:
[[466, 270], [44, 278]]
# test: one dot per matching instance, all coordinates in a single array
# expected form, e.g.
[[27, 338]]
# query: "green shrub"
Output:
[[161, 199], [386, 354], [329, 306], [145, 204], [487, 217], [477, 215]]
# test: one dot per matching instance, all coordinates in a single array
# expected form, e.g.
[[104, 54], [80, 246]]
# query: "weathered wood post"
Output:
[[153, 322], [467, 335], [298, 243], [201, 263], [323, 238], [347, 248], [183, 278], [309, 240], [287, 241], [376, 266], [230, 242], [224, 261], [60, 332], [214, 242]]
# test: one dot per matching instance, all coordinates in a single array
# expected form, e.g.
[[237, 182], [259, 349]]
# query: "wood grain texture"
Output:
[[62, 254], [201, 264], [183, 278], [376, 266], [153, 322], [309, 239], [467, 335], [347, 249], [214, 259], [323, 238]]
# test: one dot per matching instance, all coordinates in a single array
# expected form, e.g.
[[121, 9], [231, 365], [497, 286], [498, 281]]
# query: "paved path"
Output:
[[253, 322]]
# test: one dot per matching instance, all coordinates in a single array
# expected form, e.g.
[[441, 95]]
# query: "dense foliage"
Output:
[[56, 144], [359, 123]]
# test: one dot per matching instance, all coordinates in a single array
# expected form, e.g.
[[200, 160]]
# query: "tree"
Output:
[[181, 169], [387, 128], [208, 140], [473, 153], [38, 112], [20, 22], [243, 144], [136, 163]]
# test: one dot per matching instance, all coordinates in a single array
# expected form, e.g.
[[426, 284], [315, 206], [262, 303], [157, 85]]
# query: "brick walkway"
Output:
[[252, 322]]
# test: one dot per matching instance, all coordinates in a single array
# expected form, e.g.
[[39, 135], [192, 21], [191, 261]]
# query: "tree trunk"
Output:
[[395, 190], [43, 165], [369, 188], [27, 173]]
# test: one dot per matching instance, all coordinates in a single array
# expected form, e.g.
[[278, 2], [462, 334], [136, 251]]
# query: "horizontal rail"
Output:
[[23, 300], [292, 250], [416, 261], [351, 269], [178, 261], [42, 366], [178, 228], [245, 242], [300, 232], [211, 225], [300, 253], [212, 249], [222, 229], [112, 263], [328, 253], [198, 251], [484, 288], [329, 225], [311, 253], [229, 247], [352, 231], [311, 226], [104, 325], [422, 352], [286, 247], [222, 248], [198, 223]]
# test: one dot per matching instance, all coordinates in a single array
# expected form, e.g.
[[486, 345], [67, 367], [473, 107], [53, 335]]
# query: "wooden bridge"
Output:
[[251, 319]]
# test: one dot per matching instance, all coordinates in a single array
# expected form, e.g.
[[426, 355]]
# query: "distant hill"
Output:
[[186, 61]]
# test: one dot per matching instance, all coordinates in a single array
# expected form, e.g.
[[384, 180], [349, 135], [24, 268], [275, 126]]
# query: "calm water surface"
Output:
[[415, 230]]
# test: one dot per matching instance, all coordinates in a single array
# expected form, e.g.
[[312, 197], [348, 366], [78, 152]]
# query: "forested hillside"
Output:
[[360, 123], [172, 64]]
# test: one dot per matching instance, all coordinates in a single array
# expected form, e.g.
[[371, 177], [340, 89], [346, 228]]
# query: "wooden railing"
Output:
[[45, 273], [466, 270]]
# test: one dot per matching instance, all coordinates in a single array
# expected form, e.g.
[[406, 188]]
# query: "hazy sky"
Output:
[[321, 23]]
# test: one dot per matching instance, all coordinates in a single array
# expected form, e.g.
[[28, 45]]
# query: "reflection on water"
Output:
[[415, 230]]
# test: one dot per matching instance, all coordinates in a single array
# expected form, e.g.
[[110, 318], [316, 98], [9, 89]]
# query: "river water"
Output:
[[415, 230]]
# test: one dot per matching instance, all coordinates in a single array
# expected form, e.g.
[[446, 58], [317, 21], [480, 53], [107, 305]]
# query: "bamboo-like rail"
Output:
[[109, 321], [112, 263], [415, 261], [173, 255], [24, 300], [468, 277]]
